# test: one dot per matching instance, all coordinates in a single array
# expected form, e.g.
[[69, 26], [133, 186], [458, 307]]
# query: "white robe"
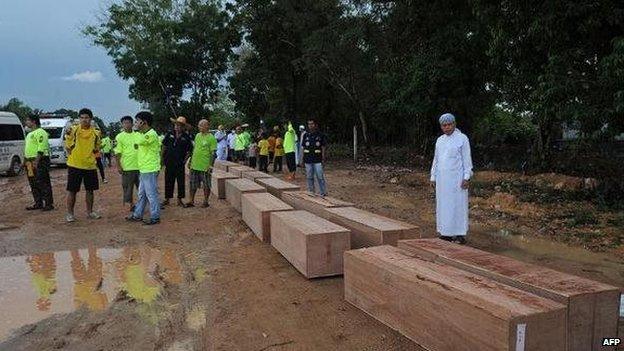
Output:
[[222, 145], [452, 164]]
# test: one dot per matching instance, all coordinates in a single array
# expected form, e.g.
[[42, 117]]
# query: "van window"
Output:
[[11, 132], [54, 132]]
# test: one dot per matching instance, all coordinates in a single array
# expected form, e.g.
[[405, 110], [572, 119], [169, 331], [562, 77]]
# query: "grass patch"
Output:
[[580, 218]]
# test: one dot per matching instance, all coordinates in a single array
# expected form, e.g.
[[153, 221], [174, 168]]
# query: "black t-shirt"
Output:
[[312, 144], [177, 149]]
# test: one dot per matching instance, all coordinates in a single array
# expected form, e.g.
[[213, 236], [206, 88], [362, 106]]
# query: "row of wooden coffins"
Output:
[[441, 295]]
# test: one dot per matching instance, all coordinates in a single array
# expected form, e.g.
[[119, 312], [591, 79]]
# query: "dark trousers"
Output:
[[173, 174], [252, 161], [230, 155], [109, 161], [277, 164], [100, 166], [263, 163], [40, 183], [291, 162]]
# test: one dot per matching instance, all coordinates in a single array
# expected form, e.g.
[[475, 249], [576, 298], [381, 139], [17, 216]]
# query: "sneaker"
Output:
[[94, 215], [105, 181], [205, 205], [152, 221], [460, 239], [34, 207], [132, 218], [70, 218], [47, 208], [446, 238]]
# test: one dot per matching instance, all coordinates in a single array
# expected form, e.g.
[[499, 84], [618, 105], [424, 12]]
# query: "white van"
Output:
[[55, 126], [11, 144]]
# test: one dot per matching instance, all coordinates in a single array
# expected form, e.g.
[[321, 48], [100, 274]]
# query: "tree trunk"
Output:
[[541, 151], [364, 130]]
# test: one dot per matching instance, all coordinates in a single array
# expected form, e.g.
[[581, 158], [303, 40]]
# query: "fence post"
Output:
[[355, 142]]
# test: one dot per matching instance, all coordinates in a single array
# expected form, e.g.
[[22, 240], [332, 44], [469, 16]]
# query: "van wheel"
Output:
[[16, 167]]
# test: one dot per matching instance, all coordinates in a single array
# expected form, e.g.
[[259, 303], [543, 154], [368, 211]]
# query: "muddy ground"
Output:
[[202, 281]]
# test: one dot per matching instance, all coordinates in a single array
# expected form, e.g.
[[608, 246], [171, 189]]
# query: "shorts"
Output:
[[196, 178], [77, 176], [129, 181]]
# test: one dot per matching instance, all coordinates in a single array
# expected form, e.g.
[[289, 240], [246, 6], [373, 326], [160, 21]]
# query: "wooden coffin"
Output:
[[303, 200], [217, 182], [442, 307], [277, 186], [592, 307], [313, 245], [257, 208], [370, 229], [235, 188]]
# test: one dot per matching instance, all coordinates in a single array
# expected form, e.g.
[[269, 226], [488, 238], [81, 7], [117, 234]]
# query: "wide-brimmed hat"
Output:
[[181, 120]]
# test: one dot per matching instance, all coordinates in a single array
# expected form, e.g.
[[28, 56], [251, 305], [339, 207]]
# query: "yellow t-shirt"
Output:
[[279, 147], [263, 146], [82, 144]]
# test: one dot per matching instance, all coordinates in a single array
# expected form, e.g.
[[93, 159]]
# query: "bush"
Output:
[[502, 127]]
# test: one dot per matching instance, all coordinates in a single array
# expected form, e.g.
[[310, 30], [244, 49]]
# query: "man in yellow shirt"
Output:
[[127, 161], [279, 154], [37, 160], [82, 142], [263, 148], [149, 161]]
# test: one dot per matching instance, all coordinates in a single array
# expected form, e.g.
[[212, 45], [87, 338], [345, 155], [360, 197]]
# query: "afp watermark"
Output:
[[611, 341]]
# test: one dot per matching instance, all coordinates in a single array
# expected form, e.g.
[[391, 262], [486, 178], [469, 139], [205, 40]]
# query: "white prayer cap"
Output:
[[447, 118], [301, 127]]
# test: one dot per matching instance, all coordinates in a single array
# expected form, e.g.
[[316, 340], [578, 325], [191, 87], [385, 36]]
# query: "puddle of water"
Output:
[[37, 286], [594, 265]]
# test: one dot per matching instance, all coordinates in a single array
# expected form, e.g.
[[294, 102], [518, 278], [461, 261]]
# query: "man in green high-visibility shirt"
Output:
[[107, 146], [127, 160], [290, 141], [148, 158], [239, 145], [37, 161], [202, 161]]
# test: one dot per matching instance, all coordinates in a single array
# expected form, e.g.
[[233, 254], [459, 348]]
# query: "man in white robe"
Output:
[[450, 175], [222, 143]]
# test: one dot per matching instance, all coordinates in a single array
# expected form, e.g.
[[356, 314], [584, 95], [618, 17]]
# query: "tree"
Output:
[[113, 129], [18, 107], [551, 60], [168, 49]]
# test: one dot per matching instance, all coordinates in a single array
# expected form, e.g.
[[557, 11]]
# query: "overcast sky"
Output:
[[46, 62]]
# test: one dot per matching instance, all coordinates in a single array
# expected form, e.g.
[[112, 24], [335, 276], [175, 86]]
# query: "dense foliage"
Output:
[[513, 72]]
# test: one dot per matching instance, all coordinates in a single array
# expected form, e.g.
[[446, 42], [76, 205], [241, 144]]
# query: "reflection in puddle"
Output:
[[40, 285]]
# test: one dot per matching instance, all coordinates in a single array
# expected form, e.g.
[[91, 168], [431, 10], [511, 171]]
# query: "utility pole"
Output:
[[355, 144]]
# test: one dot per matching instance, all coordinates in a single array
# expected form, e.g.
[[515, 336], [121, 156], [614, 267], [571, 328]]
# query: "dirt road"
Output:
[[201, 281]]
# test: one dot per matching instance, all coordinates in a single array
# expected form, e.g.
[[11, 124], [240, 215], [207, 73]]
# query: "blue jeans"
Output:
[[315, 170], [148, 192], [297, 152]]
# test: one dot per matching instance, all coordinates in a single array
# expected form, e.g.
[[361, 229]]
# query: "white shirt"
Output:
[[222, 141], [231, 140]]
